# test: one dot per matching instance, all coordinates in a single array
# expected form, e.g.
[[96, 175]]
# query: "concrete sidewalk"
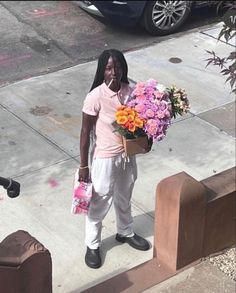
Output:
[[204, 278], [40, 120]]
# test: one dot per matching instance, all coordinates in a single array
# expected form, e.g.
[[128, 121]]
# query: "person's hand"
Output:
[[84, 175]]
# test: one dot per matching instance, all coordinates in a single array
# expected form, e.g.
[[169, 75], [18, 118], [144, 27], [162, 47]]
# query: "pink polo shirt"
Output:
[[103, 102]]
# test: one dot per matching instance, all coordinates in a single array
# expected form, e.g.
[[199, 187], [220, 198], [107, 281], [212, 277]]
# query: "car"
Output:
[[157, 17]]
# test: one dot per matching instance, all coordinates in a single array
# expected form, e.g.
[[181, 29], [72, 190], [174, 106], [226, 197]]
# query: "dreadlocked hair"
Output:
[[101, 66]]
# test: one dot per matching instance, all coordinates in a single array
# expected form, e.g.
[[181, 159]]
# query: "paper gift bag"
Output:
[[82, 194]]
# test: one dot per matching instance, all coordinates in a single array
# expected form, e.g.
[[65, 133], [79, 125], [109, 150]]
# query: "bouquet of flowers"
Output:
[[148, 113], [179, 101], [128, 122]]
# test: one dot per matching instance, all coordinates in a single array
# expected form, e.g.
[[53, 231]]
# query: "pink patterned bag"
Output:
[[82, 194]]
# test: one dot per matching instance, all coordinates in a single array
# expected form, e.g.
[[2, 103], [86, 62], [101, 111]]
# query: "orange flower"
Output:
[[129, 118], [138, 122], [130, 111], [130, 126], [121, 113], [121, 119], [120, 108]]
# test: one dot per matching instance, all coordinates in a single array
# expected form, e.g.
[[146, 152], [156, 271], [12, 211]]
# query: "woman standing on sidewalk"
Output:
[[113, 178]]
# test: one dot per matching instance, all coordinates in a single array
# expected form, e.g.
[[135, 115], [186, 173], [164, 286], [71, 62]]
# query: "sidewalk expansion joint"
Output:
[[39, 169], [149, 214], [39, 133], [217, 39]]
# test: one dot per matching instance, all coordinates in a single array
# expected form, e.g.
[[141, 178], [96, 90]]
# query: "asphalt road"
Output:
[[37, 37]]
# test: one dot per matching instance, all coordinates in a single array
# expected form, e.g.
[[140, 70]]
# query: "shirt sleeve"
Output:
[[91, 103]]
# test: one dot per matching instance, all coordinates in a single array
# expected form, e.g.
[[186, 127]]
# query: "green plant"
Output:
[[227, 64]]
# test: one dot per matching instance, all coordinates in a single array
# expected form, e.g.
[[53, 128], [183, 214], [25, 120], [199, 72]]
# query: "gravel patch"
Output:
[[226, 262]]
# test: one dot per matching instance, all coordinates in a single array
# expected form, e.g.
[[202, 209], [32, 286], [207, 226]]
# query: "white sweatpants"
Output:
[[112, 183]]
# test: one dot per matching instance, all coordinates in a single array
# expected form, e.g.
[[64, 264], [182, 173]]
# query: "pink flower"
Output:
[[160, 137], [150, 100], [149, 113], [160, 114], [158, 94], [152, 130], [167, 113], [141, 96], [140, 85], [152, 82], [139, 108]]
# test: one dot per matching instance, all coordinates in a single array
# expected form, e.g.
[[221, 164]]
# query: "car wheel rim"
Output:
[[166, 14]]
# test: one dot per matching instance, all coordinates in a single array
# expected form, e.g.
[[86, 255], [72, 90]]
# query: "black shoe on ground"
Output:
[[93, 258], [135, 241]]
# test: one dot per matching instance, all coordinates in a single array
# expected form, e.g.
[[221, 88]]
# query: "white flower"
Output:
[[161, 88]]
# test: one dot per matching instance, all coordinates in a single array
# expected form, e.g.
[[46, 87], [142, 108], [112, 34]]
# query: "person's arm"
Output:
[[88, 121]]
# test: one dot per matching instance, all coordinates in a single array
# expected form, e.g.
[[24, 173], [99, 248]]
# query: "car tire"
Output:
[[160, 9]]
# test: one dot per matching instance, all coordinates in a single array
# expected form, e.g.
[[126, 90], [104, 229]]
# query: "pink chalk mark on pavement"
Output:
[[38, 12], [53, 183], [7, 59]]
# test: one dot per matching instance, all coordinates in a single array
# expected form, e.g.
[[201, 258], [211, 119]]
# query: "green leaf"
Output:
[[232, 56], [232, 81]]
